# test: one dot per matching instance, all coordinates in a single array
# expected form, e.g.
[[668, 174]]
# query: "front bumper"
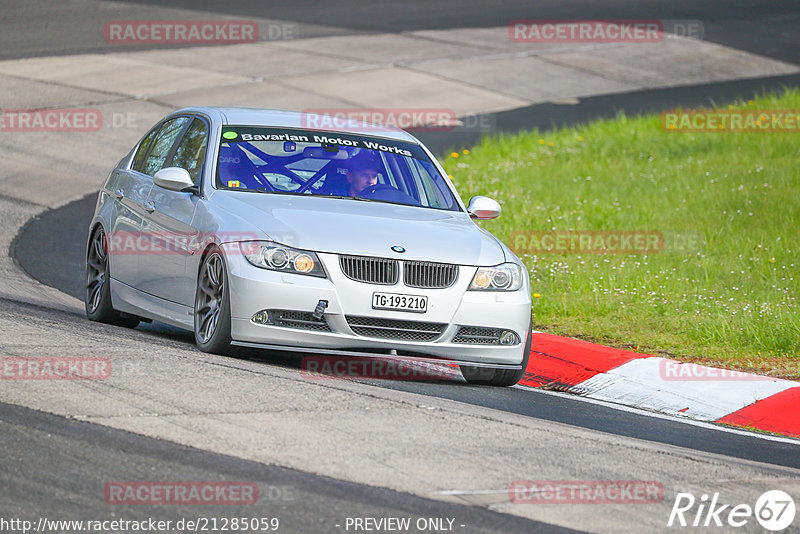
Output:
[[253, 289]]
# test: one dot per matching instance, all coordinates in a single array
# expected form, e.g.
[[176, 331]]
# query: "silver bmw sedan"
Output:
[[253, 228]]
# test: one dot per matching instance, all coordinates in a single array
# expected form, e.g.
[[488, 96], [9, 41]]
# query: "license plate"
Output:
[[395, 301]]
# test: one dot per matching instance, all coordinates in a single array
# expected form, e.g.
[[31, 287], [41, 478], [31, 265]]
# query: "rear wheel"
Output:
[[212, 309], [97, 297], [488, 376]]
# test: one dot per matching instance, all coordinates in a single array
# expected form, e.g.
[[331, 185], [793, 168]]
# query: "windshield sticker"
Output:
[[384, 148], [274, 137], [328, 140], [233, 183]]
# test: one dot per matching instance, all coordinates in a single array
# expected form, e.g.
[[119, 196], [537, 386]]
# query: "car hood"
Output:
[[346, 226]]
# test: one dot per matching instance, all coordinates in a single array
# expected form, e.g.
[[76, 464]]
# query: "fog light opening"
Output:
[[262, 317], [508, 338]]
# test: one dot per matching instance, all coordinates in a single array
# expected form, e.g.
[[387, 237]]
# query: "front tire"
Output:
[[97, 297], [486, 376], [212, 308]]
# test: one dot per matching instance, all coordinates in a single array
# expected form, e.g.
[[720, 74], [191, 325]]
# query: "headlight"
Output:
[[277, 257], [505, 277]]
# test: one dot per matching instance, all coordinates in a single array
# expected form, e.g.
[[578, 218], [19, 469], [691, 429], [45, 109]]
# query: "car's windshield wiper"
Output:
[[356, 197], [365, 199], [274, 192], [271, 192]]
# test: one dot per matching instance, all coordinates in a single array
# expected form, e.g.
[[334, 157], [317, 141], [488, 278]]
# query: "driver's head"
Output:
[[362, 172]]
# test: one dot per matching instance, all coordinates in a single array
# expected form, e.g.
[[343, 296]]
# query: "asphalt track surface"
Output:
[[59, 469]]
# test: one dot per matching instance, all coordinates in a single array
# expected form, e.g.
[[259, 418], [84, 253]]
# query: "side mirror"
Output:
[[173, 178], [483, 208]]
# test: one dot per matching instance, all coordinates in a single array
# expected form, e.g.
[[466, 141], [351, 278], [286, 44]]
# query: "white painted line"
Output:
[[471, 492], [656, 415]]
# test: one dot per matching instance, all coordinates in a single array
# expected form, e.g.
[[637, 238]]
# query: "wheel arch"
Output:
[[206, 251], [95, 224]]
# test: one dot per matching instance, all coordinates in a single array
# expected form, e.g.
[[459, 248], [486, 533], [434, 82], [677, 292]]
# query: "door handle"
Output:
[[150, 207]]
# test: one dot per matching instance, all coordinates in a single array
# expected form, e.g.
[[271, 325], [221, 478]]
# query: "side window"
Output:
[[141, 152], [162, 145], [191, 151]]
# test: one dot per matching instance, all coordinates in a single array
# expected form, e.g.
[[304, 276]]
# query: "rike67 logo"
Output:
[[774, 510]]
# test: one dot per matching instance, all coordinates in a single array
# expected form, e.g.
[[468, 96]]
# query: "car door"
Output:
[[130, 188], [169, 222], [135, 184]]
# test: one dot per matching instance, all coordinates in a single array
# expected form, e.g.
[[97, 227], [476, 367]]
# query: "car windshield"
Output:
[[301, 162]]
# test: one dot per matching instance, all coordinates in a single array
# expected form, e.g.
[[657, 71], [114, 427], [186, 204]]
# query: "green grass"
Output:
[[730, 302]]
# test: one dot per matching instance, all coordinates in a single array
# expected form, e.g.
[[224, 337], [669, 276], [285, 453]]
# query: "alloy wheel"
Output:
[[208, 304], [97, 270]]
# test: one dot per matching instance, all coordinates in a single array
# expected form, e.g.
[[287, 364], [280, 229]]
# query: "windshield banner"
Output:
[[331, 141]]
